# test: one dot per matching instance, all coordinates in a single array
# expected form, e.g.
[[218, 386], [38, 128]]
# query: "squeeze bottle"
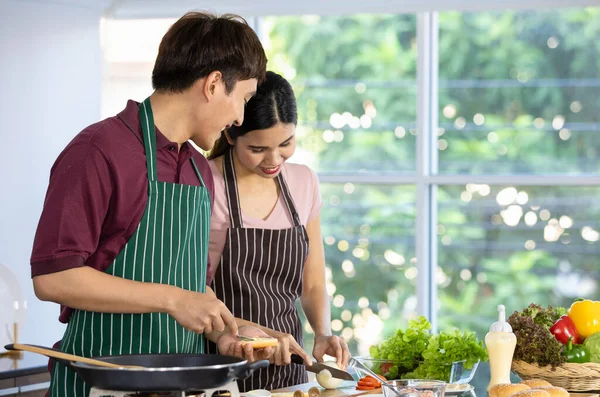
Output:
[[500, 343]]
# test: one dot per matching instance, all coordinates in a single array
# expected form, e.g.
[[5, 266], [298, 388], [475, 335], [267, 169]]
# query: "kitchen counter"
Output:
[[23, 374], [348, 389]]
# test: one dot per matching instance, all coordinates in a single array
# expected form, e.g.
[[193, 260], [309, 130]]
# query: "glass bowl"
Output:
[[459, 374], [388, 368], [414, 388]]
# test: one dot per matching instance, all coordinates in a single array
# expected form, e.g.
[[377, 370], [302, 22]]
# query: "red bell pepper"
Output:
[[564, 329]]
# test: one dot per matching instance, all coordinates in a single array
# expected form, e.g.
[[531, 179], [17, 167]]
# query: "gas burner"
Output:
[[165, 394], [229, 390], [161, 394], [107, 393]]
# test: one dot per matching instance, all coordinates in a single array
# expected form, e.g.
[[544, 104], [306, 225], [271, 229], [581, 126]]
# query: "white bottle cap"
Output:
[[501, 325]]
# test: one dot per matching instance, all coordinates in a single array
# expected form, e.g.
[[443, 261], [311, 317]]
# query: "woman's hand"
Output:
[[287, 345], [231, 346], [333, 346]]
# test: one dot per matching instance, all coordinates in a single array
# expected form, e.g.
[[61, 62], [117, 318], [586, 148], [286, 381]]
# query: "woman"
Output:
[[265, 237]]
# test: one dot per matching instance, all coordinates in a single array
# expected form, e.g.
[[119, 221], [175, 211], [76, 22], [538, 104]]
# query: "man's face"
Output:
[[225, 110]]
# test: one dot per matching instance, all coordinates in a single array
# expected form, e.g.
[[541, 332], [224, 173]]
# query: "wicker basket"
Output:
[[571, 376]]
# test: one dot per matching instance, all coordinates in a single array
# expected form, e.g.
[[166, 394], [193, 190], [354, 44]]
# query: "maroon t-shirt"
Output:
[[98, 192]]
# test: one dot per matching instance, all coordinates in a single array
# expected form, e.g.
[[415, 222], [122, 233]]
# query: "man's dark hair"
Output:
[[200, 43]]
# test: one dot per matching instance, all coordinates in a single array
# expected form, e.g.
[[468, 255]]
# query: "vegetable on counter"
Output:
[[544, 317], [325, 379], [586, 316], [405, 348], [535, 343], [592, 343], [419, 354], [445, 348], [564, 330], [576, 353], [368, 383]]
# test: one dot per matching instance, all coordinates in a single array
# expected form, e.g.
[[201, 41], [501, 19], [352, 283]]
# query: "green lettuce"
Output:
[[592, 342]]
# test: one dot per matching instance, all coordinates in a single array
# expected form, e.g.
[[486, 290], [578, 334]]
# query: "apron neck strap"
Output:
[[149, 135], [198, 172], [233, 197], [288, 200]]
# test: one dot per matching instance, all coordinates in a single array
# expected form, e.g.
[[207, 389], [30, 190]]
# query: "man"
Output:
[[122, 242]]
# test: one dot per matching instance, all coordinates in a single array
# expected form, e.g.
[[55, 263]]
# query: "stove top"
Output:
[[110, 393], [229, 390]]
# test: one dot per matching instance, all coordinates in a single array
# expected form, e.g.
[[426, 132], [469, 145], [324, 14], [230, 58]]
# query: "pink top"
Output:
[[304, 188]]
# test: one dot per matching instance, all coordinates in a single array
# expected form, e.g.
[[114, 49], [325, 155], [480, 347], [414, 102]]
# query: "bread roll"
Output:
[[554, 391], [531, 393], [535, 383], [259, 343], [507, 389]]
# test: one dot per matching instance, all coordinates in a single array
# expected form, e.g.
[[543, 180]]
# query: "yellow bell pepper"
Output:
[[586, 316]]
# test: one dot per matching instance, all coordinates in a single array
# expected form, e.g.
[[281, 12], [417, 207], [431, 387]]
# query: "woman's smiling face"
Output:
[[263, 152]]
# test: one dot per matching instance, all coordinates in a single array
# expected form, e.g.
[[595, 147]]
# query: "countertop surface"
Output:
[[348, 389], [22, 364]]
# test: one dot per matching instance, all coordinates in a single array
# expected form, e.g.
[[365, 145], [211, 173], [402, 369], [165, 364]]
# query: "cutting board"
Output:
[[346, 389]]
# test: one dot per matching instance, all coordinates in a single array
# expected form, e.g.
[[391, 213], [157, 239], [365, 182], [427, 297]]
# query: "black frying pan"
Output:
[[163, 372]]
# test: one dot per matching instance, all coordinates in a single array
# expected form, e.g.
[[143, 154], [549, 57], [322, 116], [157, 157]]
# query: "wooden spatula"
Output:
[[65, 356]]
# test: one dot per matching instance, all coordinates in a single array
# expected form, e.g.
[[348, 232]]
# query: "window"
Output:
[[518, 92], [517, 97], [514, 101], [355, 81], [369, 234], [514, 245], [481, 156]]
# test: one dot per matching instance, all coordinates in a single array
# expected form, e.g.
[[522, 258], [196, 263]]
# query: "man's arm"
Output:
[[88, 289], [77, 205]]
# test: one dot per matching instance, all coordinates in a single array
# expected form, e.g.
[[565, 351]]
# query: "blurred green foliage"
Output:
[[518, 94]]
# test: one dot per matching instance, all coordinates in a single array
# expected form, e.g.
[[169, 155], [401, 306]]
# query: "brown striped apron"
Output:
[[169, 246], [259, 278]]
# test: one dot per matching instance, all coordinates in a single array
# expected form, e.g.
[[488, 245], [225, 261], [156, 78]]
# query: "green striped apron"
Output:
[[169, 246]]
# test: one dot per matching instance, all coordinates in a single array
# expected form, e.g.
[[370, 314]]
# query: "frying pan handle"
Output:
[[244, 371], [60, 360]]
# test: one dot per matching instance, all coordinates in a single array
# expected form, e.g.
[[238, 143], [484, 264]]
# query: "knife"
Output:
[[318, 367]]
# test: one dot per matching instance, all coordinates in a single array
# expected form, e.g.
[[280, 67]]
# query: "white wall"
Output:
[[50, 74]]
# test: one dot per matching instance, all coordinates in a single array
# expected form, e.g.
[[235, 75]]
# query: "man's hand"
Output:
[[202, 313], [333, 346], [230, 345]]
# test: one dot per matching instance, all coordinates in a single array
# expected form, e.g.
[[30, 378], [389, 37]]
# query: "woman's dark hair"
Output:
[[273, 103], [200, 43]]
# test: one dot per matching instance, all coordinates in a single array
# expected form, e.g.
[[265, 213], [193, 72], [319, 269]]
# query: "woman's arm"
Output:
[[315, 300]]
